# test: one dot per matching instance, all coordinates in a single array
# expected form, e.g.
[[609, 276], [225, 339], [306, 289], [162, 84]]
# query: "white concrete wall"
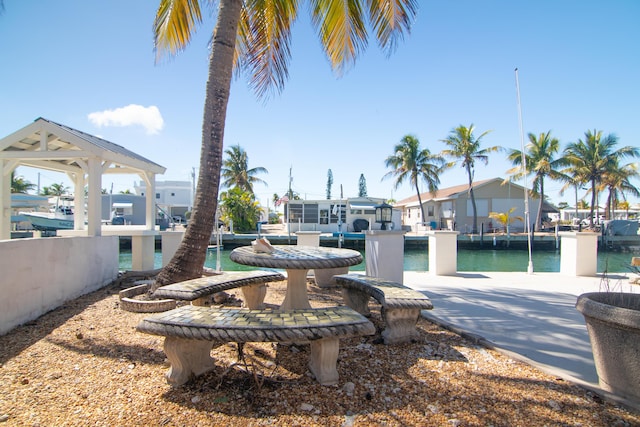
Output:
[[38, 275], [443, 252], [578, 253], [384, 254]]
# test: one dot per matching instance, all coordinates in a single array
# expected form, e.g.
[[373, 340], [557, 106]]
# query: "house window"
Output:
[[310, 215], [173, 194], [429, 210], [303, 212], [157, 195], [295, 212], [324, 216], [338, 210]]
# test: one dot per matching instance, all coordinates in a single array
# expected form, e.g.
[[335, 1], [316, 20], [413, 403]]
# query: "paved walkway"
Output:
[[530, 315]]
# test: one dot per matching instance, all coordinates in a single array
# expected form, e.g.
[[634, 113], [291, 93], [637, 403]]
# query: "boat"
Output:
[[60, 219]]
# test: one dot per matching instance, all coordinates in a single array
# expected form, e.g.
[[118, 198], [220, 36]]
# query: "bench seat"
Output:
[[198, 290], [190, 332], [401, 305]]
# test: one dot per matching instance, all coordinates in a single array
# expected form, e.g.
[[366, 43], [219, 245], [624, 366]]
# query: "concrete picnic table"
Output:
[[297, 261]]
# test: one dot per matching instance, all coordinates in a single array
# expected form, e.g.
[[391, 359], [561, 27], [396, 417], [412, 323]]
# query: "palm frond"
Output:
[[263, 48], [342, 30], [174, 25], [390, 21]]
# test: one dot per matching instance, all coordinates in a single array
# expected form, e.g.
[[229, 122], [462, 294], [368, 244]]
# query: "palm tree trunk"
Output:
[[474, 229], [539, 213], [415, 183], [593, 202], [188, 261]]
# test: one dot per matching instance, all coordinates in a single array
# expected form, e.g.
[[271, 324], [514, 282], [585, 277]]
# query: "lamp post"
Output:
[[383, 215]]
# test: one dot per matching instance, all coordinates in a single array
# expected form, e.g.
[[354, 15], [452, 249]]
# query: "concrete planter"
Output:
[[613, 323]]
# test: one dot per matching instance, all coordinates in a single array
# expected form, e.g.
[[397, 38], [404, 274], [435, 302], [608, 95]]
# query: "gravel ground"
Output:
[[84, 364]]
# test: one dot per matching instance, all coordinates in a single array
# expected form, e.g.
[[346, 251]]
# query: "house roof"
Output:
[[456, 191], [45, 144], [443, 193]]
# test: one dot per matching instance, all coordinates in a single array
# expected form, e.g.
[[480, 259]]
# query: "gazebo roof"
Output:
[[45, 144]]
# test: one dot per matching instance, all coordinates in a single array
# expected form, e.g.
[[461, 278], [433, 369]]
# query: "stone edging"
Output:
[[128, 303]]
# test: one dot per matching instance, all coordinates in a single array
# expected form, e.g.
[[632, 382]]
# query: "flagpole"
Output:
[[524, 170]]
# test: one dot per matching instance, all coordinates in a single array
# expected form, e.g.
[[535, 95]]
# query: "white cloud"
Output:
[[147, 117]]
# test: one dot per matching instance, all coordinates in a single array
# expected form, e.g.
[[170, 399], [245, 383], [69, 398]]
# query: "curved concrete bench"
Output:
[[190, 332], [400, 305], [197, 290]]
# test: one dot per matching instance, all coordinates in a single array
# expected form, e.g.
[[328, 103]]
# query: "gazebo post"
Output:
[[150, 198], [5, 200], [94, 198]]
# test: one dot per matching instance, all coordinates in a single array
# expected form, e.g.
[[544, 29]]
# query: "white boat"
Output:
[[61, 219]]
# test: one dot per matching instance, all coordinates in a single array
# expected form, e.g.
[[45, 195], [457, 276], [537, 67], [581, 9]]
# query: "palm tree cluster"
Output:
[[594, 161], [411, 162]]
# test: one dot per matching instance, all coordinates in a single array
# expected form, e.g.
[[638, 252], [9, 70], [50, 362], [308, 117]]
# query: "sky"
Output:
[[92, 66]]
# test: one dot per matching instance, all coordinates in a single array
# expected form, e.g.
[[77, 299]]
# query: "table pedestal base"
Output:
[[296, 296]]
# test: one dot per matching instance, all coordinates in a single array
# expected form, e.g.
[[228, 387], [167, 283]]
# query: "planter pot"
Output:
[[613, 323]]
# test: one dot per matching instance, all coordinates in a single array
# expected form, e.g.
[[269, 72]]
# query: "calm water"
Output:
[[468, 260]]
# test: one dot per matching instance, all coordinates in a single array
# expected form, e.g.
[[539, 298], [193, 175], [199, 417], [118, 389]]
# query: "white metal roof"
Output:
[[45, 144]]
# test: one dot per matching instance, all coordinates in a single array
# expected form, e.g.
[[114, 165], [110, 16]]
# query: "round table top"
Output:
[[297, 257]]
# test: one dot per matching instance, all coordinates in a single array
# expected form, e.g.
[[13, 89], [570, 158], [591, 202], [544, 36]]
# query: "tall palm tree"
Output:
[[255, 35], [589, 160], [540, 157], [465, 147], [410, 162], [236, 173], [617, 180]]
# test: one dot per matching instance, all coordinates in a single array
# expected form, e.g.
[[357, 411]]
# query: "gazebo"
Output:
[[40, 274], [48, 145]]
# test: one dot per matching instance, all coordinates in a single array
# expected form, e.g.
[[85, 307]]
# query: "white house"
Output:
[[173, 197], [331, 216]]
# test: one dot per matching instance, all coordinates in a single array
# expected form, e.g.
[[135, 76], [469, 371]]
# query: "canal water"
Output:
[[468, 260]]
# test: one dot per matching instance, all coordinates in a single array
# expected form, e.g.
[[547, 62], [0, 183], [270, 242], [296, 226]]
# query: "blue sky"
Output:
[[81, 63]]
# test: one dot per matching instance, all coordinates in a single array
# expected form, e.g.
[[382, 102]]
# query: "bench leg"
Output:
[[323, 360], [400, 325], [188, 358], [359, 301], [254, 296]]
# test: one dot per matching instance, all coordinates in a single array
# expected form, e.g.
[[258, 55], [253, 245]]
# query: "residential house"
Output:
[[173, 197], [451, 209], [331, 216]]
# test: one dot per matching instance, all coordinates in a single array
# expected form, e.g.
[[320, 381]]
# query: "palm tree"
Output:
[[541, 161], [589, 160], [464, 146], [505, 219], [255, 36], [55, 190], [19, 184], [411, 162], [236, 172], [617, 180]]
